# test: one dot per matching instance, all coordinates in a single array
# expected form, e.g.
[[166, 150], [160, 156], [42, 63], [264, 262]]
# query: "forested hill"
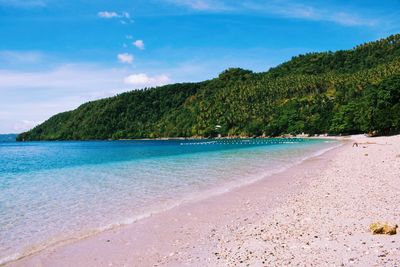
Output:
[[343, 92]]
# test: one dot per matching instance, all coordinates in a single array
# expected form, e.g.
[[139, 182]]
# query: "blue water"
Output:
[[54, 191]]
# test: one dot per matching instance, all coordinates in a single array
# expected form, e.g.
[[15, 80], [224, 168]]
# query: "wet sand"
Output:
[[313, 214]]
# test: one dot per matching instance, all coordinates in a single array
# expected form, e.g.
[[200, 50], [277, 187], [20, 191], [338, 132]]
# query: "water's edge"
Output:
[[187, 200]]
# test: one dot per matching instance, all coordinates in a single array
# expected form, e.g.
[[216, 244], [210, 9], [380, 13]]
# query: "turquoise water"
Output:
[[56, 191]]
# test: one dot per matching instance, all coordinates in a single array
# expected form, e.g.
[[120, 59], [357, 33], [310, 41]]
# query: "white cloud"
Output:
[[125, 58], [142, 79], [139, 44], [124, 17], [108, 14]]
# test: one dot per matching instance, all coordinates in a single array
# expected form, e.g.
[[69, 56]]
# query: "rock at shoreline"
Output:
[[383, 228]]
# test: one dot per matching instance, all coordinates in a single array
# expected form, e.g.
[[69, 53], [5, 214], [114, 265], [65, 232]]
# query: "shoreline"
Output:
[[196, 197], [192, 232], [186, 202]]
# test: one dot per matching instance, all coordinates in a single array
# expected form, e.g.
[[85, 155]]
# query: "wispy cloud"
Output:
[[11, 57], [24, 125], [142, 79], [281, 8], [289, 9], [139, 44], [125, 58], [33, 96], [352, 20], [201, 5], [62, 77]]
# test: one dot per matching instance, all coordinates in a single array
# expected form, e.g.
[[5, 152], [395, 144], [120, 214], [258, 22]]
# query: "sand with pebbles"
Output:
[[326, 223]]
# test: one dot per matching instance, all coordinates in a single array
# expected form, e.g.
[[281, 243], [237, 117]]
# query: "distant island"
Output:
[[8, 137], [343, 92]]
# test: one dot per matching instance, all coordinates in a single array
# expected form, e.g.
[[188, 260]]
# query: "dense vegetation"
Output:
[[343, 92]]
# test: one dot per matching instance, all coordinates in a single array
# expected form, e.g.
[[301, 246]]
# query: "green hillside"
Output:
[[343, 92]]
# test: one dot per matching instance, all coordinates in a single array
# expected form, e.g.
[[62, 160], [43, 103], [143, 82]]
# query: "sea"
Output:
[[55, 192]]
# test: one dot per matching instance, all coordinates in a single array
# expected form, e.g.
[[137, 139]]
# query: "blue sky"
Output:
[[58, 54]]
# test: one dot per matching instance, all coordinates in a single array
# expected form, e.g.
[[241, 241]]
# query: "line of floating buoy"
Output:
[[244, 142]]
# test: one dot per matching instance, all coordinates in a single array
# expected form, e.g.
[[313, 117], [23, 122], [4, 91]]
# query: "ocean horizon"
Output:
[[51, 192]]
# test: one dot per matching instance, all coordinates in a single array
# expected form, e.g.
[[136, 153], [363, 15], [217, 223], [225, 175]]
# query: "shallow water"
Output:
[[55, 191]]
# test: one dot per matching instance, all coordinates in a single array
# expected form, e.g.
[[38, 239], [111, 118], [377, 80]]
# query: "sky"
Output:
[[58, 54]]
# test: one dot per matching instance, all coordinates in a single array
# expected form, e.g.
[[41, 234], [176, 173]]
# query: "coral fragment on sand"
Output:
[[383, 228]]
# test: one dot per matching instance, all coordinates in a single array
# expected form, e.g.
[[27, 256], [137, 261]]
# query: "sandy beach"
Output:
[[316, 213]]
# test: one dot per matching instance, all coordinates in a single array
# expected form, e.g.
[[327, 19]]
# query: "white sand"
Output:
[[327, 222]]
